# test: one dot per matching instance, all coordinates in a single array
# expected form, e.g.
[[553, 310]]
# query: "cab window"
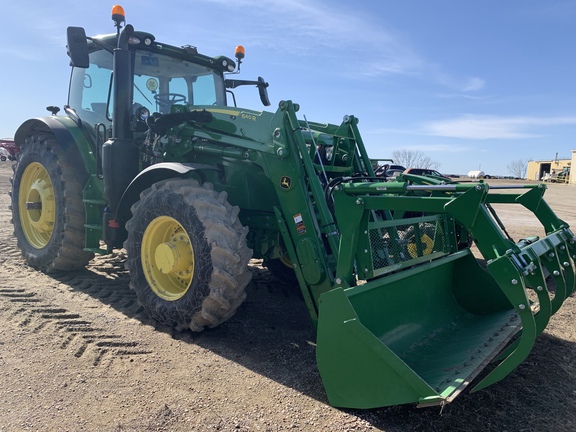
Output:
[[89, 89]]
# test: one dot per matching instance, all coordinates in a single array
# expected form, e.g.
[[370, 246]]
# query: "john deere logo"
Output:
[[285, 182]]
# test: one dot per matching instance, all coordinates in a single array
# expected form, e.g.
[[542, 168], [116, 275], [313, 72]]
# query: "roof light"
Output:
[[118, 13], [240, 52]]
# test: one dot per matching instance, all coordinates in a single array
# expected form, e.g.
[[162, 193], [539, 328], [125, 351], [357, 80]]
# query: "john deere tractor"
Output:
[[153, 155]]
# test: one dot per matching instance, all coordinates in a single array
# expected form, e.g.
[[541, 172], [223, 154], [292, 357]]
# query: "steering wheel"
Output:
[[381, 170], [169, 99]]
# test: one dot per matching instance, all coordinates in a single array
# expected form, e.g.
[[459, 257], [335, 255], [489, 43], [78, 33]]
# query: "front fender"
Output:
[[151, 175]]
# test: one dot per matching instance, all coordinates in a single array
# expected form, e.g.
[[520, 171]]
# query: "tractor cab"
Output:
[[153, 76], [162, 76]]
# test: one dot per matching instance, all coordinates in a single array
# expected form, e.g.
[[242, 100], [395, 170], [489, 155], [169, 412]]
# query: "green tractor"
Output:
[[153, 155]]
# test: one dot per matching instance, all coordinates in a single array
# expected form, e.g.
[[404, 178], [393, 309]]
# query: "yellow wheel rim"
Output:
[[285, 259], [167, 258], [427, 246], [36, 205]]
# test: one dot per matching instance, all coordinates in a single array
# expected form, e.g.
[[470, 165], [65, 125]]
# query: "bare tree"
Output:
[[518, 168], [414, 159]]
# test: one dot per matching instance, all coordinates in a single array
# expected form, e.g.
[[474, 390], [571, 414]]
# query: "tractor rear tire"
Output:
[[187, 254], [47, 208]]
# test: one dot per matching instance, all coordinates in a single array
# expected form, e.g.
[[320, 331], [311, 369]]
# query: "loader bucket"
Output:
[[429, 317], [406, 338]]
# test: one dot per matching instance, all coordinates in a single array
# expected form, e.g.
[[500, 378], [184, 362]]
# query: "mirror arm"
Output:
[[102, 45], [237, 83], [261, 84]]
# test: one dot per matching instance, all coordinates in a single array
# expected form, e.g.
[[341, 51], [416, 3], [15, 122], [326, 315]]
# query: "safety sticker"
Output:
[[300, 227]]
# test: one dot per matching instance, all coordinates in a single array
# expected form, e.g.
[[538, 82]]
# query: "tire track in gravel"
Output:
[[8, 251], [105, 282]]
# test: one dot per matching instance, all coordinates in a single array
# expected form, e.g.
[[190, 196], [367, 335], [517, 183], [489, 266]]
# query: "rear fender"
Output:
[[67, 134]]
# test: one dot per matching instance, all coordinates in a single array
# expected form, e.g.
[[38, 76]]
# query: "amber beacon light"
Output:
[[118, 14]]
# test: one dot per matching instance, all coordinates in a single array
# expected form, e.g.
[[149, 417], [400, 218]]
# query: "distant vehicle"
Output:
[[9, 149], [427, 172], [4, 154], [476, 174], [394, 171], [559, 177]]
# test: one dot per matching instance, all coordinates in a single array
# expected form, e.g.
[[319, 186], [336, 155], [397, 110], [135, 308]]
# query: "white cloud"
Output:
[[18, 53], [467, 84], [356, 42], [464, 96], [493, 127], [473, 84], [439, 148]]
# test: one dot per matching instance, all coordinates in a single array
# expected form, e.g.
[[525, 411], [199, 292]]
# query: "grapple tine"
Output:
[[517, 356], [567, 265], [552, 263], [535, 279], [515, 291], [571, 252], [537, 282]]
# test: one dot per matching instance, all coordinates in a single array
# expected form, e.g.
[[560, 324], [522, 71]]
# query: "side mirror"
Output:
[[263, 91], [77, 47], [261, 84]]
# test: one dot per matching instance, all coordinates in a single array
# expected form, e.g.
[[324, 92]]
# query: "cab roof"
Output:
[[146, 41]]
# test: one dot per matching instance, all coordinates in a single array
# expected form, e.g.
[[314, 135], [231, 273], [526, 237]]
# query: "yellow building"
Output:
[[542, 169]]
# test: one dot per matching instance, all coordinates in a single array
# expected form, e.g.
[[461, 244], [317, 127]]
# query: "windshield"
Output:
[[159, 82]]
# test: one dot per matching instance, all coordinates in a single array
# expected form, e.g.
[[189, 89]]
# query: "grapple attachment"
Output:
[[414, 317]]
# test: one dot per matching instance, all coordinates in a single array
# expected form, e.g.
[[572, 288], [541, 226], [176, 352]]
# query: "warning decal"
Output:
[[299, 222]]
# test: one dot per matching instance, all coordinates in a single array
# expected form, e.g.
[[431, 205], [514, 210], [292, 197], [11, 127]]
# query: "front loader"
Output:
[[153, 155]]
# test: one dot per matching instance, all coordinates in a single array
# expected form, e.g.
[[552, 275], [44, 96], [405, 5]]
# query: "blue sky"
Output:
[[472, 84]]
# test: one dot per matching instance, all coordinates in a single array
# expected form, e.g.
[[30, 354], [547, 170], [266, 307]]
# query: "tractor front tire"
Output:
[[47, 208], [187, 254]]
